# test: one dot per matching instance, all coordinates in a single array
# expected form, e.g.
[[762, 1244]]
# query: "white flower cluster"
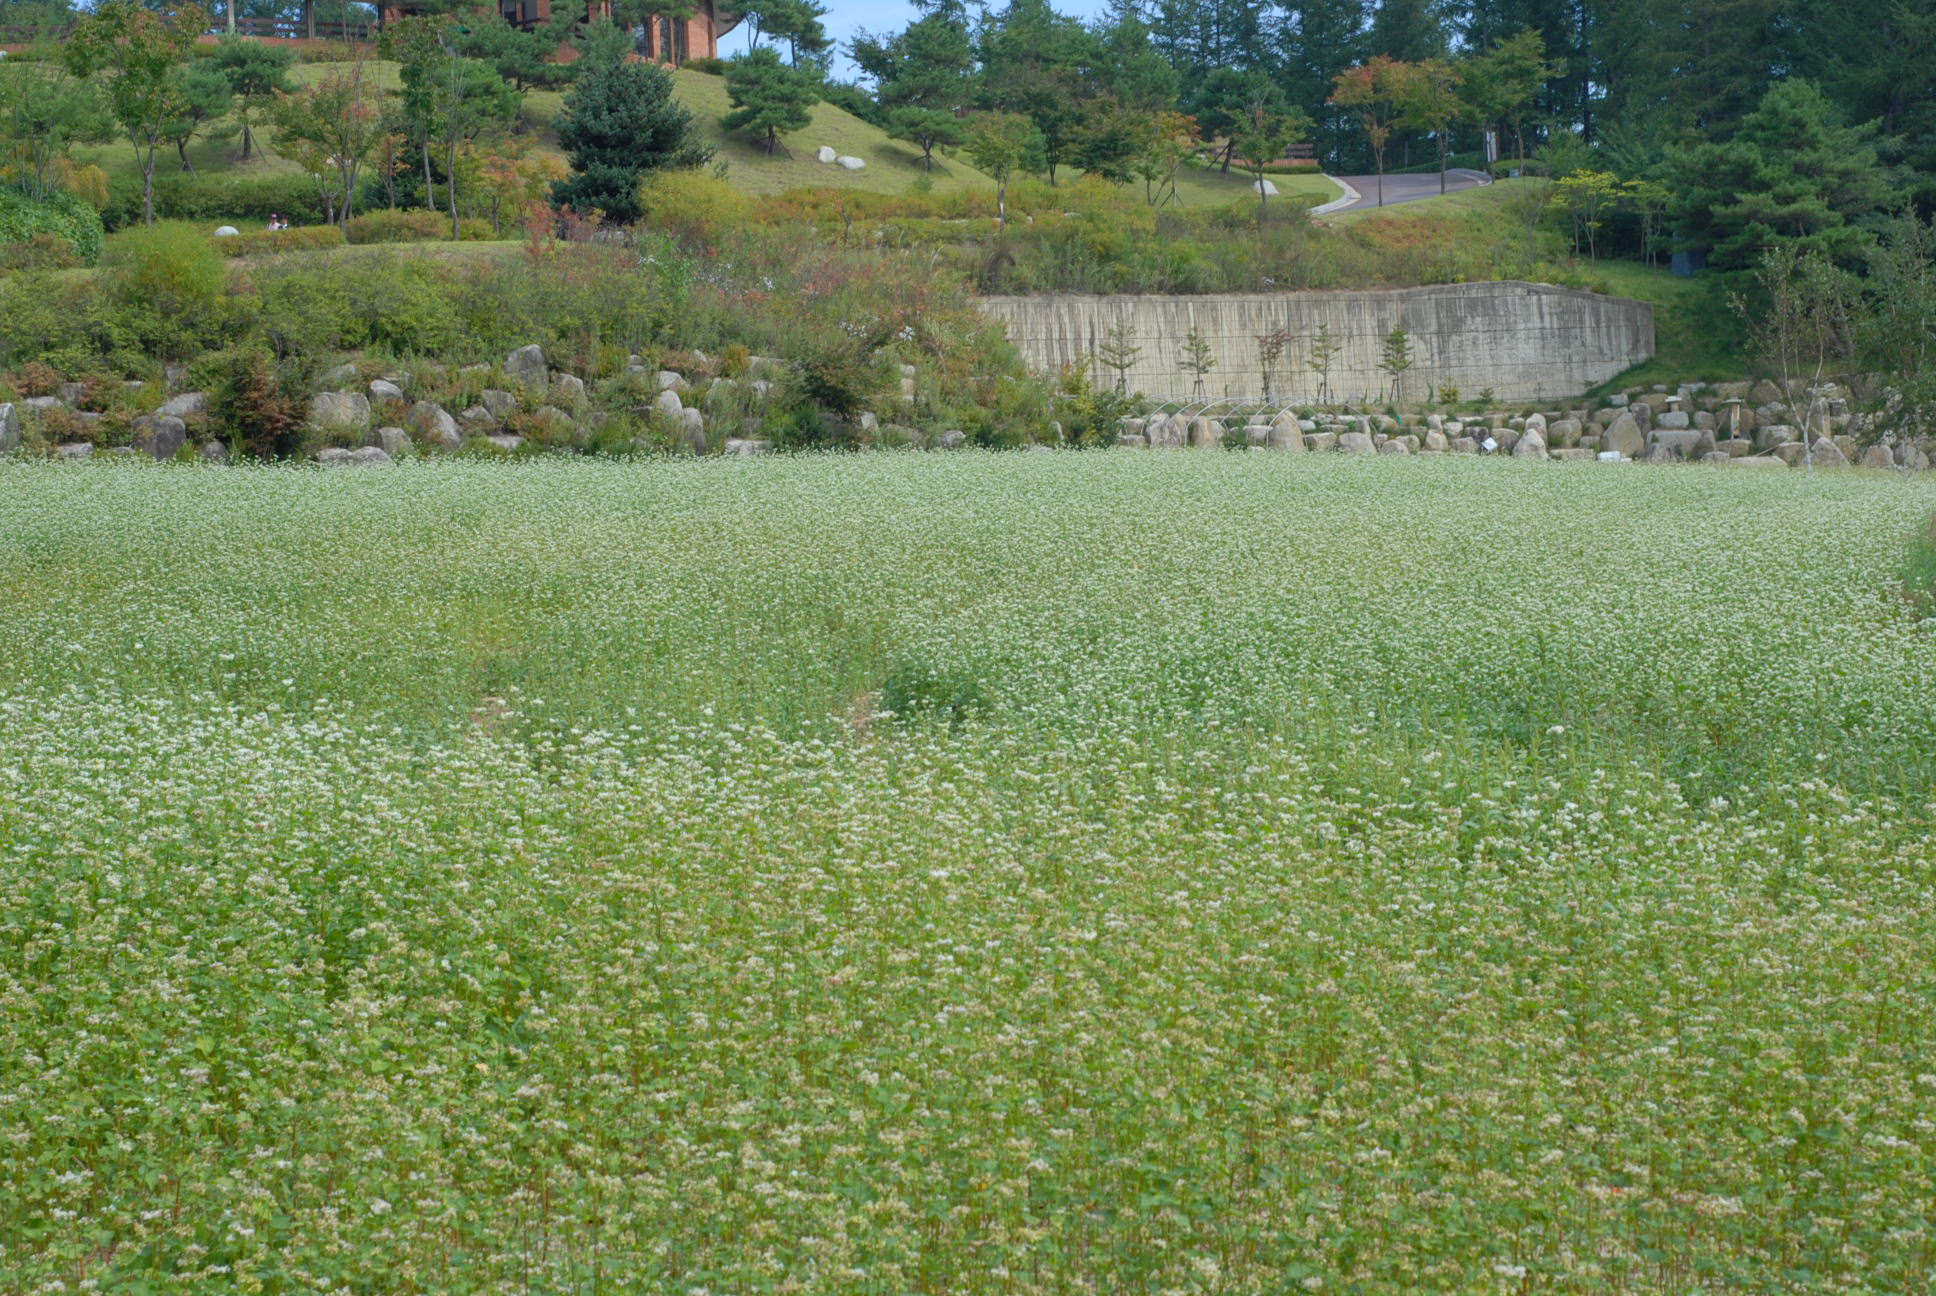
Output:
[[1027, 874]]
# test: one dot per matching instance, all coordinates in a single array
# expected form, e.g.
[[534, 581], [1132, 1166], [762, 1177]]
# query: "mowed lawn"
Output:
[[964, 873]]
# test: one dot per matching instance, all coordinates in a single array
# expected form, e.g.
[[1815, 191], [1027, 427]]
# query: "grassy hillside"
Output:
[[892, 166]]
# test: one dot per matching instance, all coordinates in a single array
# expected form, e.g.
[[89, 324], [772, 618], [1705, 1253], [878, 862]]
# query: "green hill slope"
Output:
[[892, 166]]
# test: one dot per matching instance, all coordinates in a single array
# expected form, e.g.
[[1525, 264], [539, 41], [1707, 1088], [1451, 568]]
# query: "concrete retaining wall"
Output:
[[1524, 341]]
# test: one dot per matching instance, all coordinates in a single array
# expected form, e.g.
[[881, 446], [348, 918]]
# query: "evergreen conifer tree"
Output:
[[769, 97], [620, 123]]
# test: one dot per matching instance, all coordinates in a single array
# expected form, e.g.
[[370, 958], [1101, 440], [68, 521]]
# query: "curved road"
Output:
[[1401, 189]]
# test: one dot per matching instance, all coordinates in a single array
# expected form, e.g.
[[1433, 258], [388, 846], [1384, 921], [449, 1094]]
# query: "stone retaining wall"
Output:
[[1522, 341]]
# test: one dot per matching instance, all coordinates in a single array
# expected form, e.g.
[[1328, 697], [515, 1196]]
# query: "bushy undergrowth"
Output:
[[415, 225], [482, 877], [1092, 237], [48, 229], [301, 238], [843, 320]]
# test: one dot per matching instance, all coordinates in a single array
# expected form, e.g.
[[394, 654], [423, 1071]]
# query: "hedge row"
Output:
[[189, 195], [306, 238]]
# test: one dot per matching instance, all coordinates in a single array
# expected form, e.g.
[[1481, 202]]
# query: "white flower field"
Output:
[[1031, 873]]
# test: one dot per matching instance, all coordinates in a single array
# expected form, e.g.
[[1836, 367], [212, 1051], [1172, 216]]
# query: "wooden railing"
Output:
[[355, 33]]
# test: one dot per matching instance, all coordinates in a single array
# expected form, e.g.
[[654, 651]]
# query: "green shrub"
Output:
[[303, 238], [28, 220], [705, 66], [415, 225], [167, 282]]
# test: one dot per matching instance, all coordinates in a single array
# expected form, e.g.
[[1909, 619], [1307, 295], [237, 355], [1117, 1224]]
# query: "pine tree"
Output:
[[1408, 30], [921, 76], [620, 122], [769, 97], [1790, 176], [203, 99], [256, 73]]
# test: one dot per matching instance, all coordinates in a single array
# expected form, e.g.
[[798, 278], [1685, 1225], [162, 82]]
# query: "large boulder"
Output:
[[527, 365], [1285, 434], [1356, 443], [1264, 188], [383, 389], [670, 381], [567, 389], [1625, 436], [433, 424], [1531, 444], [825, 155], [393, 441], [1878, 456], [167, 438], [1827, 454], [1206, 434], [1564, 433], [339, 412], [851, 163], [668, 405], [1757, 461], [692, 426], [500, 405], [9, 428], [1765, 393], [1770, 435], [183, 405], [1321, 442], [1682, 443]]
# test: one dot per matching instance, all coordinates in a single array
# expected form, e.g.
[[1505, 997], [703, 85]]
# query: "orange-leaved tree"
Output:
[[1371, 92]]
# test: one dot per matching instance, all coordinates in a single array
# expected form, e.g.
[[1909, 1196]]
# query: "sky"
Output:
[[882, 17]]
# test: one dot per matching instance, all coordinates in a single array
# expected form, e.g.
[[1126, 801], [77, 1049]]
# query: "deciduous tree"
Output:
[[137, 55]]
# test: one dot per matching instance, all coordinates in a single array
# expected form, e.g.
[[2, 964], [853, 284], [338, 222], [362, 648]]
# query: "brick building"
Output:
[[668, 40]]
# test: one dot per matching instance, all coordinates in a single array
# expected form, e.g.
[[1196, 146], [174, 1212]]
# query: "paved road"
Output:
[[1406, 188]]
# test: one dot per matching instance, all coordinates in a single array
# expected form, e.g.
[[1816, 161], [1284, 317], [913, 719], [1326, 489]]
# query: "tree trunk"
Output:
[[450, 183], [148, 187], [231, 17], [430, 191], [309, 18], [181, 148]]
